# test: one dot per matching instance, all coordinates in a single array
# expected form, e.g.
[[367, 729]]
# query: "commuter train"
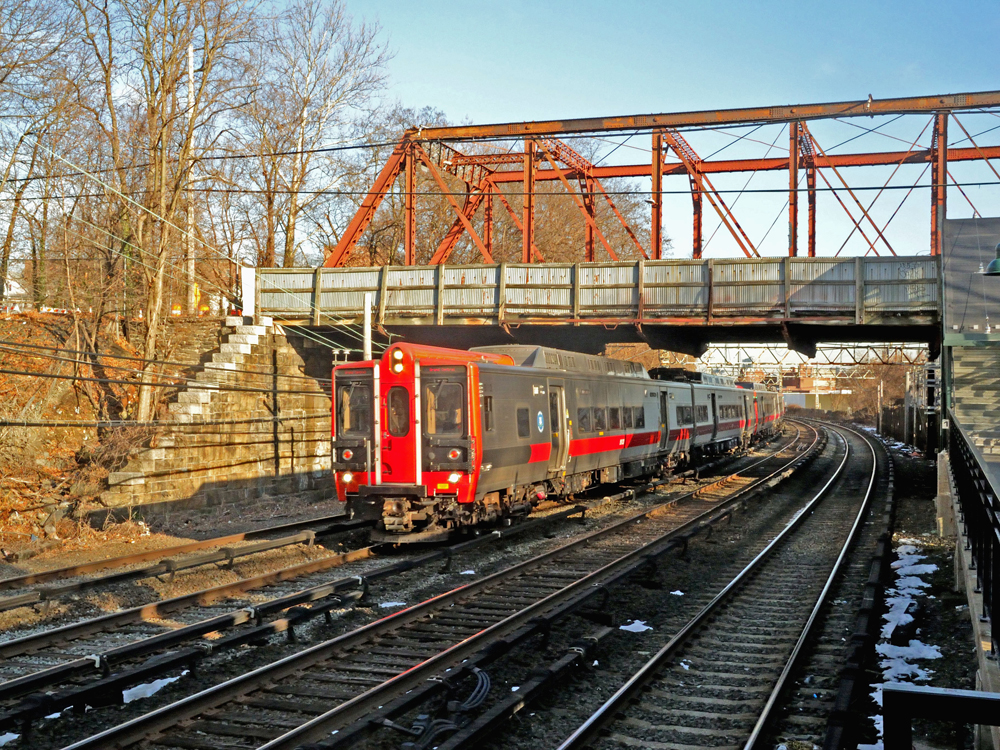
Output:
[[427, 440]]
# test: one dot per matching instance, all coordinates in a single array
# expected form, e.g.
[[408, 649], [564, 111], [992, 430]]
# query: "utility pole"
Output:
[[192, 302]]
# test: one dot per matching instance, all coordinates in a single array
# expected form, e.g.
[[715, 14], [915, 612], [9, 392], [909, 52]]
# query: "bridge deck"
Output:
[[770, 293]]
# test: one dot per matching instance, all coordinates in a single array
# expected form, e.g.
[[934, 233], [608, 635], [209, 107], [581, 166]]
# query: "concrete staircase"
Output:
[[977, 394]]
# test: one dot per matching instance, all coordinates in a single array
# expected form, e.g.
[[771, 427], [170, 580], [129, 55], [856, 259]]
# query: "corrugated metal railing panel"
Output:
[[901, 284], [539, 291], [344, 293], [411, 291], [614, 291], [748, 287], [287, 289], [609, 291], [674, 288], [471, 291], [821, 285]]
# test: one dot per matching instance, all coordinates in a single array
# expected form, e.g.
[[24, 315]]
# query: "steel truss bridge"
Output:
[[677, 305]]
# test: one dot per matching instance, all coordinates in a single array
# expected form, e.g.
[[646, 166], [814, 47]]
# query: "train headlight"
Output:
[[347, 454], [454, 454], [454, 477], [397, 354], [347, 477], [398, 367]]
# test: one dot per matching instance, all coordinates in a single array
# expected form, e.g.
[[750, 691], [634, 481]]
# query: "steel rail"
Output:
[[28, 579], [161, 719], [647, 673], [170, 566]]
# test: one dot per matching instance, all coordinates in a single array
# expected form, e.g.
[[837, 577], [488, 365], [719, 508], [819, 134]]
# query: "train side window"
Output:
[[639, 416], [627, 417], [600, 419], [614, 418], [703, 413], [488, 413], [583, 419], [523, 423], [684, 415], [398, 406]]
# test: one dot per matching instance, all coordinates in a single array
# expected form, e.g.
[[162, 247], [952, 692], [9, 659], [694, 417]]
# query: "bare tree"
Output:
[[320, 71]]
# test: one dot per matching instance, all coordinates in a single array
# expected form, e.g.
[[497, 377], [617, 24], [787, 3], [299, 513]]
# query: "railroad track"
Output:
[[103, 646], [719, 679], [225, 549], [303, 696]]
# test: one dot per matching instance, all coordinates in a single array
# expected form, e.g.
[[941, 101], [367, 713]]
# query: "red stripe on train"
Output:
[[540, 452], [602, 444]]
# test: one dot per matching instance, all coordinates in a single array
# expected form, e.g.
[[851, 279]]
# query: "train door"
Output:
[[557, 430], [715, 417], [664, 418]]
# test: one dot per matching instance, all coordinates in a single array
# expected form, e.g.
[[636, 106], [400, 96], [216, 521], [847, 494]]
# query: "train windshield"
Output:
[[445, 404], [354, 408]]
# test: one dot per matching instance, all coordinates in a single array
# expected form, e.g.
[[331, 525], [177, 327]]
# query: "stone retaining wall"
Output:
[[255, 422]]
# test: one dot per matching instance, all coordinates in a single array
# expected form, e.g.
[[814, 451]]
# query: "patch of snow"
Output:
[[9, 737], [917, 570], [595, 663], [150, 688], [636, 626], [467, 573], [677, 593], [388, 605], [515, 688], [686, 663], [916, 650]]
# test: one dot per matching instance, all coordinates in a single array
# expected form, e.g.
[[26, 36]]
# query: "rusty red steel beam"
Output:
[[383, 184], [719, 117], [881, 158]]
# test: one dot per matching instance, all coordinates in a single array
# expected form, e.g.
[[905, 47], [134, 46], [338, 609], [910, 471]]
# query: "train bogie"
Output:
[[428, 440]]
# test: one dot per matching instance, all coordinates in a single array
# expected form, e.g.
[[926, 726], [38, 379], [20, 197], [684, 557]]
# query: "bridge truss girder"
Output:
[[547, 158]]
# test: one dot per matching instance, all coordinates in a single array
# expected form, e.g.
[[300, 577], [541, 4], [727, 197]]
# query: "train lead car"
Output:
[[427, 440]]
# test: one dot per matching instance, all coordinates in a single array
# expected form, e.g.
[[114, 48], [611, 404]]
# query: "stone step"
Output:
[[251, 330], [232, 321], [242, 338], [235, 348]]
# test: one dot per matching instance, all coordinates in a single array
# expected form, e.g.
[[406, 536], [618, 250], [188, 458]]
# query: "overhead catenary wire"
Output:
[[152, 213], [183, 380], [5, 344], [202, 385]]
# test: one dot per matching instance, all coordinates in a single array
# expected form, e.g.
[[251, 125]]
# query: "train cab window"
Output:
[[600, 419], [445, 403], [488, 420], [627, 417], [583, 419], [523, 423], [614, 418], [398, 408], [354, 408], [638, 416]]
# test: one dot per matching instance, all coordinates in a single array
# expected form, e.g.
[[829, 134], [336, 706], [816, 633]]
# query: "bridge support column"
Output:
[[811, 185], [939, 181], [793, 189], [409, 224], [529, 201], [656, 225], [696, 207], [588, 232]]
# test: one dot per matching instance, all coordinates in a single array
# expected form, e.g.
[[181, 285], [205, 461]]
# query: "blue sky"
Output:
[[518, 60]]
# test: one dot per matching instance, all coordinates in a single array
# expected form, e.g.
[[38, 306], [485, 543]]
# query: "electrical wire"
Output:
[[5, 343], [152, 213]]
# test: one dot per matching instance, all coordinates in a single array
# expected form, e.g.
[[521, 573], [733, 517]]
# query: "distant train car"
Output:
[[427, 440]]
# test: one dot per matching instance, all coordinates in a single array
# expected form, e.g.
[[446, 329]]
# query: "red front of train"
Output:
[[405, 428]]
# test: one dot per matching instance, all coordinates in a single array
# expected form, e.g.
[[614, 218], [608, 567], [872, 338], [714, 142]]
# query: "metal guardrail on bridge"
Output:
[[980, 508], [718, 291]]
